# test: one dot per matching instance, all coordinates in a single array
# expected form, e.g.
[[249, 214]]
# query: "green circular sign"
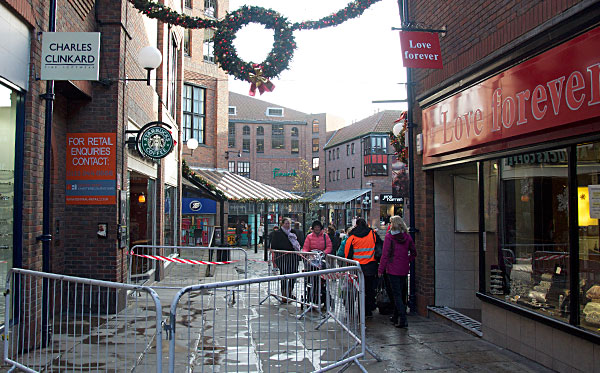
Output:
[[155, 142]]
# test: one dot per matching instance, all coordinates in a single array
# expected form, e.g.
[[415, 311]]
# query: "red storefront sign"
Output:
[[421, 50], [556, 88]]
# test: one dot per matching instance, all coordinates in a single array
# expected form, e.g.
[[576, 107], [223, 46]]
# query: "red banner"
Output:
[[556, 88], [421, 50]]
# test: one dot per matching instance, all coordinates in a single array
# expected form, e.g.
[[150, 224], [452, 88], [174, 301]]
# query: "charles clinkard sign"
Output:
[[70, 55]]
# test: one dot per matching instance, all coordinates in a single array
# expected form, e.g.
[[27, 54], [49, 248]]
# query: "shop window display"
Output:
[[588, 202], [527, 231]]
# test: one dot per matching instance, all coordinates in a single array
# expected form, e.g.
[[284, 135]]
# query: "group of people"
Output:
[[359, 244]]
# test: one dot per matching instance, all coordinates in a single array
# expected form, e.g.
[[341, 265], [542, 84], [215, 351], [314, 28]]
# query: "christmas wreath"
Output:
[[398, 142], [258, 74]]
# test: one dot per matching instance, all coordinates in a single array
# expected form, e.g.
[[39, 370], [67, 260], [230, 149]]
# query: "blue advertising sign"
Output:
[[198, 206]]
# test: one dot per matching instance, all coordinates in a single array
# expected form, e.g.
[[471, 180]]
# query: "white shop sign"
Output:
[[70, 55], [594, 192]]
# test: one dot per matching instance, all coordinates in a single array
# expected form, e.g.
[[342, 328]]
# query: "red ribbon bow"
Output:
[[259, 81]]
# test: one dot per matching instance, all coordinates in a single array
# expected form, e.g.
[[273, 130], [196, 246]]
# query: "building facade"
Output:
[[140, 198], [267, 142], [506, 185], [358, 160]]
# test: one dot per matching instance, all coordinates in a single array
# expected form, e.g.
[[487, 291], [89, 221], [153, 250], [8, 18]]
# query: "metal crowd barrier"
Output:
[[60, 323], [209, 333], [174, 267]]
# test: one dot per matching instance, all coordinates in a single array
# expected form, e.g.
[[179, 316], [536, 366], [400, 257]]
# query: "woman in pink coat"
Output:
[[317, 240]]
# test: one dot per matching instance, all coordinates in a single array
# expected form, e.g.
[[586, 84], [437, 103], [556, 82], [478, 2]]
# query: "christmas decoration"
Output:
[[225, 53], [259, 81], [399, 142]]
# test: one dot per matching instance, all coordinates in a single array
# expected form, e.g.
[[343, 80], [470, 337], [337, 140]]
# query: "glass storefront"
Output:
[[170, 222], [8, 120], [527, 243]]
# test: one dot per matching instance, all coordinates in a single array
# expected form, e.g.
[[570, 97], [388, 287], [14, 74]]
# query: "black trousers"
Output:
[[287, 264]]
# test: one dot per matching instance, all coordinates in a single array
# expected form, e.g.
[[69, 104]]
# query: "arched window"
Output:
[[260, 131], [294, 131], [246, 131]]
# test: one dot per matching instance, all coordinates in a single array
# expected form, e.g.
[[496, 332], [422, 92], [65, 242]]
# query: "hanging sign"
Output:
[[70, 55], [91, 169], [421, 50], [155, 141]]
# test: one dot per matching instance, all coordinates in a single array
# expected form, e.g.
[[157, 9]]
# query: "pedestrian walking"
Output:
[[317, 240], [285, 239], [261, 233], [239, 229], [334, 237], [360, 246], [398, 251]]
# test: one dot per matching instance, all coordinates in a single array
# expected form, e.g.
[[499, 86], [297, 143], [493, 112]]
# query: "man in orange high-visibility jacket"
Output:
[[360, 246]]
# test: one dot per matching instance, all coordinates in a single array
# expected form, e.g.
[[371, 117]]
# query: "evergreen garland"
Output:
[[225, 53], [398, 142]]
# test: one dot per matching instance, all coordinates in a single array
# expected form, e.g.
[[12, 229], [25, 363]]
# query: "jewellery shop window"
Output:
[[588, 201], [526, 238]]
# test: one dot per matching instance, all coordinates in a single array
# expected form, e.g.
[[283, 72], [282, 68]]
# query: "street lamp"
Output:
[[192, 144], [149, 58]]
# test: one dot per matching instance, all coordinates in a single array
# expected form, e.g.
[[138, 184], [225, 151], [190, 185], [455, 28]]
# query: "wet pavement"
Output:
[[269, 337]]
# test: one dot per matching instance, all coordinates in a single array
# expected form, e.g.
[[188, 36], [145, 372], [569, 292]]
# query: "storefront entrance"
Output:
[[141, 210]]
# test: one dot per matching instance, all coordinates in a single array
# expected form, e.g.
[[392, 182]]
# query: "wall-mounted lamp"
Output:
[[149, 58], [376, 198], [142, 198], [192, 144]]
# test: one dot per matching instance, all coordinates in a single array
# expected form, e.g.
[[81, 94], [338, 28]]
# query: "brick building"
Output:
[[509, 171], [266, 142], [358, 176], [141, 205]]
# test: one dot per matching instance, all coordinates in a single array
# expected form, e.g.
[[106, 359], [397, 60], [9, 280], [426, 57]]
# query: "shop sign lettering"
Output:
[[548, 157], [421, 50], [70, 55], [91, 169], [278, 173], [390, 199], [556, 88]]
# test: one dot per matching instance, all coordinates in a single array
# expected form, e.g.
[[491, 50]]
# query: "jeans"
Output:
[[398, 284]]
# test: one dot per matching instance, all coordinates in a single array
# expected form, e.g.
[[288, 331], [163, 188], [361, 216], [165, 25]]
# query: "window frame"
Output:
[[246, 131], [231, 135], [270, 111], [192, 115], [260, 131], [260, 145], [315, 126], [313, 163], [277, 134], [295, 149], [234, 110], [246, 145], [241, 168], [315, 145]]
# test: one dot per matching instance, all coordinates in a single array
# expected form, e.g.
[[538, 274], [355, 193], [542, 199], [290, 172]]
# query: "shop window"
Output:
[[315, 163], [588, 201], [260, 131], [231, 136], [295, 146], [246, 145], [315, 145], [246, 131], [170, 221], [277, 137], [231, 167], [526, 205], [193, 113], [243, 169], [260, 145]]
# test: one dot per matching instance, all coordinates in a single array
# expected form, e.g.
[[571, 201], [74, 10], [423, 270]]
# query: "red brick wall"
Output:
[[475, 29]]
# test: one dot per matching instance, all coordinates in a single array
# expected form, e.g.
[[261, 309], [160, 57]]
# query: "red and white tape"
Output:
[[551, 257], [180, 260]]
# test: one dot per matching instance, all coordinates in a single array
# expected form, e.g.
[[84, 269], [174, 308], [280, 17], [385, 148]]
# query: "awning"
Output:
[[341, 196], [189, 184], [239, 188]]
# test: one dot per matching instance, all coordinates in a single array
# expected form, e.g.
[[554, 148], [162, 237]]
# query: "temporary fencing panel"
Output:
[[60, 323], [185, 266], [278, 324]]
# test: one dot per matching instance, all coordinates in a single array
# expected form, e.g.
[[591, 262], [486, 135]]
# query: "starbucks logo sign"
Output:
[[155, 141]]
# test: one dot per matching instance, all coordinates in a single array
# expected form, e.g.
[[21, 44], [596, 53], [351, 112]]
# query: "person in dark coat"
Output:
[[334, 237], [398, 251], [286, 239], [299, 233]]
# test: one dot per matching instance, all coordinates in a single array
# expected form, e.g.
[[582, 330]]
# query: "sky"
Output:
[[337, 70]]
